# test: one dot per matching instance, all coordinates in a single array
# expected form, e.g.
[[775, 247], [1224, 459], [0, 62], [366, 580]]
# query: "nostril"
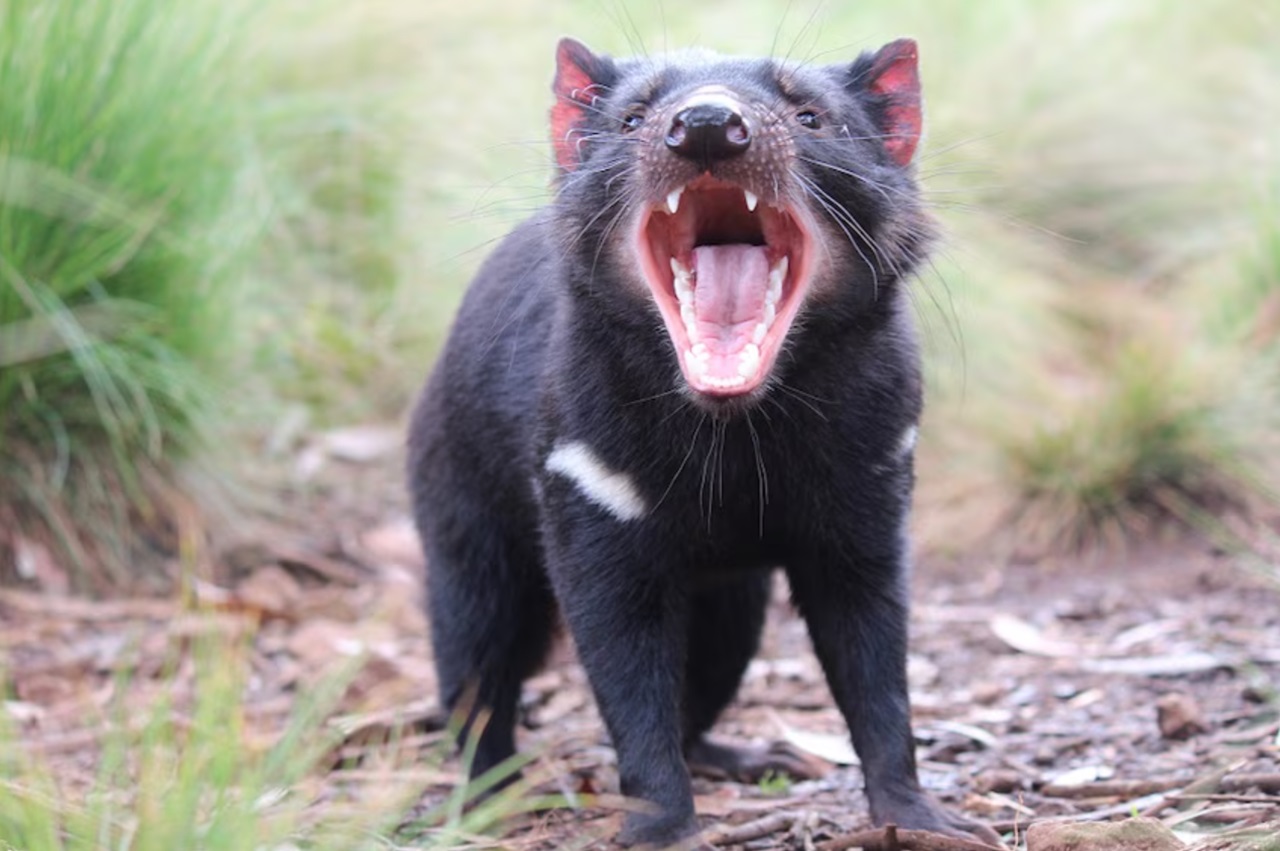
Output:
[[736, 132], [707, 133], [676, 135]]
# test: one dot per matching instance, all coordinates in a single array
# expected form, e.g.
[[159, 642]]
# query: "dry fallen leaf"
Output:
[[361, 444], [1172, 665], [969, 731], [836, 749], [395, 542], [1082, 775], [1025, 638]]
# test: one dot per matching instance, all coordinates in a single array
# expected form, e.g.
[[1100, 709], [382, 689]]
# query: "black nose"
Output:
[[708, 133]]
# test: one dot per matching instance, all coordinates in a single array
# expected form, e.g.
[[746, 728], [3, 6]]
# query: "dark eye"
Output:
[[633, 119], [809, 119]]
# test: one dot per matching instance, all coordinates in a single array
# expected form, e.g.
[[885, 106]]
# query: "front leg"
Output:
[[628, 620], [855, 604]]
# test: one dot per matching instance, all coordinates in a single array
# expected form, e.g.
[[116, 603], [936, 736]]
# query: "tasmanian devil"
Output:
[[695, 365]]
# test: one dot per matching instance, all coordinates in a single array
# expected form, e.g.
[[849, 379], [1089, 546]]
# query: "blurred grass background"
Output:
[[216, 216]]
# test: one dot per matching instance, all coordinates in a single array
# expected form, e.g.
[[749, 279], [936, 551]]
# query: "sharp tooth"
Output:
[[770, 314], [696, 364], [701, 352], [680, 280], [673, 199], [776, 276], [690, 319], [757, 333], [749, 360], [752, 200]]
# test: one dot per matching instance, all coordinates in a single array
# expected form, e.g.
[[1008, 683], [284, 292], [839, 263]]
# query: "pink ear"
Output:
[[576, 89], [896, 76]]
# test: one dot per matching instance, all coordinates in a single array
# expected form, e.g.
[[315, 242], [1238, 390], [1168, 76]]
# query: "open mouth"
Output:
[[729, 274]]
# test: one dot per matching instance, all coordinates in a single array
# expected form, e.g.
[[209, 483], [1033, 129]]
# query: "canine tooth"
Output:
[[770, 314], [673, 199], [679, 269], [752, 200], [757, 333], [696, 364], [749, 360], [700, 352]]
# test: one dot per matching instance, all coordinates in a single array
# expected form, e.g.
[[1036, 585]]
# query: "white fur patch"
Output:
[[907, 443], [611, 490]]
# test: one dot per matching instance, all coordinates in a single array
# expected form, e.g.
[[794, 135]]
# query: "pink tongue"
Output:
[[730, 283]]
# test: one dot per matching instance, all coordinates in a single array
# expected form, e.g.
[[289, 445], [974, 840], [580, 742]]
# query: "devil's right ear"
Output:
[[582, 78]]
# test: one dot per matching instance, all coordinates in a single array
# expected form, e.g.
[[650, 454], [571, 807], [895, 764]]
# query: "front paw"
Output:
[[920, 812]]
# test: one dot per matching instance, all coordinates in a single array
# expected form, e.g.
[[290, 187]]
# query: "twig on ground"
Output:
[[1240, 782], [755, 829], [890, 838], [1235, 799], [1110, 789]]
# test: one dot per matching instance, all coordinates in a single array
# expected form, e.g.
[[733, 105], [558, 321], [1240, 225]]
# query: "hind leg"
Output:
[[492, 617], [725, 623]]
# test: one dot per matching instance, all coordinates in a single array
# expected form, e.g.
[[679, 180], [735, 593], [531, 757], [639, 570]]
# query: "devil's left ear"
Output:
[[892, 78], [581, 78]]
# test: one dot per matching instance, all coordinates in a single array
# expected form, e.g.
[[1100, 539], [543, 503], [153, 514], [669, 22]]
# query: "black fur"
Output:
[[556, 342]]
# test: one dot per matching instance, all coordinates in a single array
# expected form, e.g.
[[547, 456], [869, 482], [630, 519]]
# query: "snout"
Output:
[[709, 127]]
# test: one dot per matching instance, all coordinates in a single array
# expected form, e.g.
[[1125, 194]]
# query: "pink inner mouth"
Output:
[[728, 281]]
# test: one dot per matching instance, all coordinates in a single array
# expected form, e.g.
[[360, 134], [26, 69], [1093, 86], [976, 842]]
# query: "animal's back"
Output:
[[471, 432]]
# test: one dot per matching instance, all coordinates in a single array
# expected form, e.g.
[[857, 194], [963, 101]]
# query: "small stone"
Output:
[[1044, 755], [1064, 690], [1133, 835], [987, 692], [1179, 716], [271, 590]]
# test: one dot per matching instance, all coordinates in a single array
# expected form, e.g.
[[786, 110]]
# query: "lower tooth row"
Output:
[[748, 363], [749, 358]]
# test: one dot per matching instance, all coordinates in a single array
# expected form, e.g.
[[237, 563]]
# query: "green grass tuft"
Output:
[[123, 226], [188, 777], [199, 223], [1162, 437], [191, 771]]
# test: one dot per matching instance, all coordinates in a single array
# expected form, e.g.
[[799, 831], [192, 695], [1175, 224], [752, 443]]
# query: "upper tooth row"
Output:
[[673, 199]]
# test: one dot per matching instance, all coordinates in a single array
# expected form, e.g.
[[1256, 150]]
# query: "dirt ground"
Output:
[[1135, 683]]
